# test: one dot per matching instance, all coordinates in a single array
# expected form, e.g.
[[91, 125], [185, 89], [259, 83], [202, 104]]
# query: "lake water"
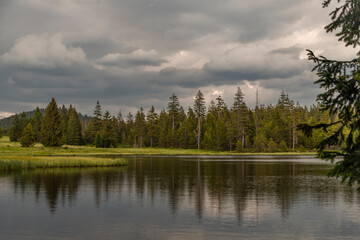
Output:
[[181, 198]]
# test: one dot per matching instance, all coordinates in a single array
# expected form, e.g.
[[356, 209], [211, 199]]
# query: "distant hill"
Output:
[[5, 114], [5, 123]]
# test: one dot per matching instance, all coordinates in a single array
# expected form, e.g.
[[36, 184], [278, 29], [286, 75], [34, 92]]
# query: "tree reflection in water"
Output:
[[191, 183]]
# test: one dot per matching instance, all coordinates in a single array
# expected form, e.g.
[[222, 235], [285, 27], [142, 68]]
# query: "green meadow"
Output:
[[32, 162], [8, 148], [13, 156]]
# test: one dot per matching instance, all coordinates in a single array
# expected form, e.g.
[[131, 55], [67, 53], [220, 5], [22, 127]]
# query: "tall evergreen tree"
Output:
[[94, 124], [97, 111], [140, 127], [152, 126], [23, 120], [173, 110], [215, 132], [199, 109], [187, 133], [250, 133], [74, 131], [284, 121], [340, 79], [120, 129], [108, 131], [163, 129], [16, 129], [240, 117], [209, 137], [51, 132], [98, 140], [222, 117], [27, 139], [36, 123], [129, 129], [64, 113], [18, 124]]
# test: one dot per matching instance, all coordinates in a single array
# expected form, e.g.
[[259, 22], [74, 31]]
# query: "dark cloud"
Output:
[[134, 59], [254, 64], [135, 53], [293, 52]]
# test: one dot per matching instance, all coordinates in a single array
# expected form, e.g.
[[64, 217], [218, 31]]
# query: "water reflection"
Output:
[[180, 198], [202, 185]]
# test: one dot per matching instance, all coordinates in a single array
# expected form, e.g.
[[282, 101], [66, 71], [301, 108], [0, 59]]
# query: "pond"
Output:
[[267, 197]]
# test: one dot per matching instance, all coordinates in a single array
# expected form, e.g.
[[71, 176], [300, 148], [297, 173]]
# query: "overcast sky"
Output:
[[136, 53]]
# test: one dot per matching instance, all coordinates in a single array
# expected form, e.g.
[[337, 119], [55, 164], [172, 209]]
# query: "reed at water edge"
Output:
[[32, 162]]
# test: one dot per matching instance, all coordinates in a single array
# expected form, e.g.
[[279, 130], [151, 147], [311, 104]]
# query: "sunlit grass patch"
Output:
[[31, 162], [8, 148]]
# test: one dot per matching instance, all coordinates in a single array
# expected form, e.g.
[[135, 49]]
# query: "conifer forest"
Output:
[[219, 127]]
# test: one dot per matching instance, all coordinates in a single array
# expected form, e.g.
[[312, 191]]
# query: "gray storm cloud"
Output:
[[137, 53], [134, 59], [43, 51]]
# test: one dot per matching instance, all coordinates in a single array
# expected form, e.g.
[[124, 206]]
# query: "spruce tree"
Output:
[[15, 129], [23, 120], [173, 112], [108, 131], [98, 140], [251, 131], [129, 129], [209, 139], [199, 109], [182, 119], [51, 132], [140, 127], [27, 139], [74, 131], [152, 126], [222, 117], [163, 129], [240, 117], [95, 124], [192, 125], [191, 129], [340, 80], [120, 129], [64, 113], [284, 118], [36, 123], [215, 132]]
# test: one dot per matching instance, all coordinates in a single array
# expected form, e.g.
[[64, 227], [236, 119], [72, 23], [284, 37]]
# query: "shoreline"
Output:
[[8, 148]]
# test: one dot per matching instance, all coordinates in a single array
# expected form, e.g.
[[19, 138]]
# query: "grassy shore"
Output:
[[31, 162], [8, 148]]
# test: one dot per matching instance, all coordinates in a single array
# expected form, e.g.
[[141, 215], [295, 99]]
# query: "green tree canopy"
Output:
[[16, 129], [240, 118], [36, 123], [51, 133], [340, 81], [74, 130], [152, 125], [140, 127], [199, 110], [95, 124], [27, 139], [173, 110]]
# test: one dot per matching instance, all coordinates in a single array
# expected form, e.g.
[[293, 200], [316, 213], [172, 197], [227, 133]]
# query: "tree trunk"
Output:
[[198, 133], [294, 135], [242, 137]]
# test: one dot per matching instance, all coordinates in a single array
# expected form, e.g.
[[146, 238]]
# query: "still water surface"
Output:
[[181, 198]]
